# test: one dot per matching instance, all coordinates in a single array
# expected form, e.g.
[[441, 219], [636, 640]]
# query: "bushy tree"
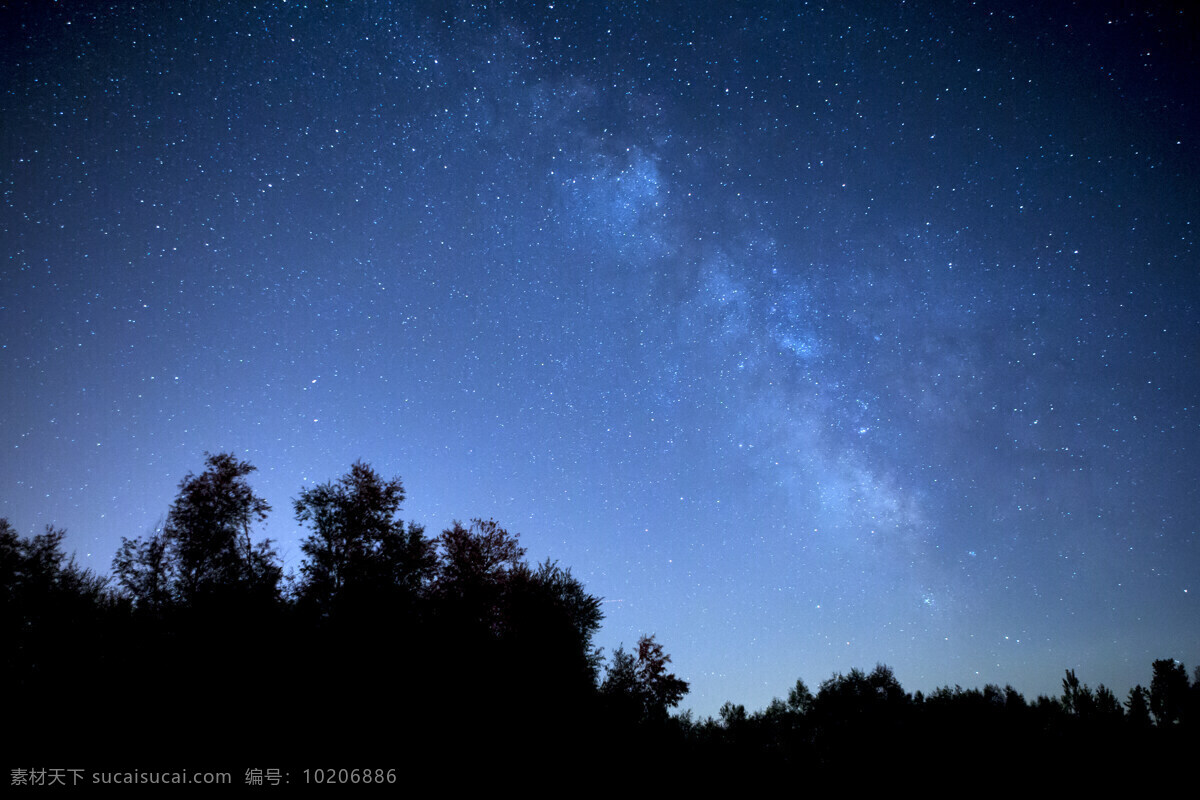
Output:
[[473, 571], [1014, 701], [39, 580], [205, 553], [664, 689], [145, 572], [733, 716], [800, 699], [359, 552], [49, 606], [641, 687], [549, 622], [479, 555], [857, 692], [54, 631]]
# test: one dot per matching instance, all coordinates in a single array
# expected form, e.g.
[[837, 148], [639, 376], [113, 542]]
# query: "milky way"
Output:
[[807, 337]]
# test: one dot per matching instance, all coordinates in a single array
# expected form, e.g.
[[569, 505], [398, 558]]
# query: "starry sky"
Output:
[[809, 336]]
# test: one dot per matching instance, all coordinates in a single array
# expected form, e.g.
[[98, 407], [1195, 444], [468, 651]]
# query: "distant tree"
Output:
[[55, 644], [144, 572], [1077, 698], [35, 570], [642, 687], [733, 716], [799, 699], [1168, 691], [1014, 701], [1107, 706], [882, 681], [620, 687], [777, 715], [1048, 709], [359, 552], [663, 689], [857, 693], [1138, 706]]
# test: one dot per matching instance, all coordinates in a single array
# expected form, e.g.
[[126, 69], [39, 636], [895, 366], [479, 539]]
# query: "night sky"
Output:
[[808, 337]]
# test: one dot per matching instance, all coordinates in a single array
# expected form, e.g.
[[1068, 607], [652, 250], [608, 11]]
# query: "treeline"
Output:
[[864, 719], [391, 647], [387, 644]]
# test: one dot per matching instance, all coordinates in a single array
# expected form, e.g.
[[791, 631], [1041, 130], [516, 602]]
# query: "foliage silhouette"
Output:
[[359, 553], [204, 555], [460, 640], [640, 688], [1168, 691], [48, 607], [1138, 707]]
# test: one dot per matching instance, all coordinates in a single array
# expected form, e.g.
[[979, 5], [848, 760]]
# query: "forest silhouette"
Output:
[[392, 648]]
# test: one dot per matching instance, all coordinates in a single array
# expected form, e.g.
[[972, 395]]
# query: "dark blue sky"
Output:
[[809, 337]]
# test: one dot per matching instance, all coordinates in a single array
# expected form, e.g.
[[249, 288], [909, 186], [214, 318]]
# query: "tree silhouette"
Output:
[[144, 572], [733, 716], [800, 699], [1108, 707], [1138, 706], [663, 689], [473, 570], [49, 607], [1168, 691], [467, 642], [208, 532], [549, 622], [642, 688], [858, 693], [477, 556], [1077, 698], [204, 555], [360, 553], [57, 639], [620, 687]]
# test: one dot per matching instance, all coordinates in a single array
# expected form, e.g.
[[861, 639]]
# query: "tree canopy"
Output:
[[359, 551], [461, 635], [640, 686], [205, 553]]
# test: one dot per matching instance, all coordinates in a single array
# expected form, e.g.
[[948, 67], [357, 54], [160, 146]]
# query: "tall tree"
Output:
[[1138, 705], [1077, 698], [205, 552], [1168, 691], [359, 551]]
